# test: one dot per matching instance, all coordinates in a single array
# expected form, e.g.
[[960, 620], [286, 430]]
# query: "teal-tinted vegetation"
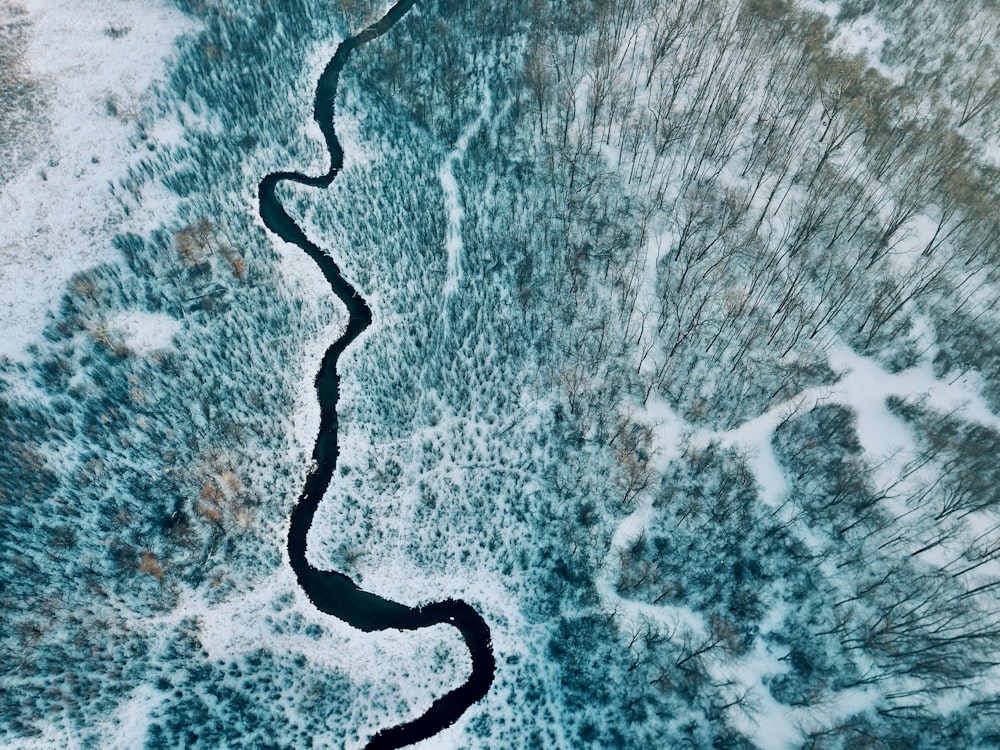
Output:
[[673, 211]]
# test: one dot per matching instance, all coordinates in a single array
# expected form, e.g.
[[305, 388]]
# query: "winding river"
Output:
[[330, 591]]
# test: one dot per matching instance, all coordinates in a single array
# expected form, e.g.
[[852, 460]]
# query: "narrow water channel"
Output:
[[330, 591]]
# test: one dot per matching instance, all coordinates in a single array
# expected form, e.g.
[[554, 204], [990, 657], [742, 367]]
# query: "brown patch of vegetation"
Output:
[[150, 565], [211, 493], [100, 334], [209, 511], [195, 242], [231, 481]]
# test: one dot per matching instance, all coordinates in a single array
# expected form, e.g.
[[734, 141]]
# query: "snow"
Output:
[[417, 666], [863, 36], [828, 7], [670, 430], [774, 726], [452, 202], [62, 220], [305, 280], [864, 387], [125, 730], [145, 332], [244, 624], [132, 719], [58, 215]]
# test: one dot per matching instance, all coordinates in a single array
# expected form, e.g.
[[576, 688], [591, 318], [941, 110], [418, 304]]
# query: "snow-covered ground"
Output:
[[452, 199], [92, 57], [59, 217], [864, 387]]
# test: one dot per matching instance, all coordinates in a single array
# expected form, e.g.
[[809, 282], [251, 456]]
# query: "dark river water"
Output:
[[330, 591]]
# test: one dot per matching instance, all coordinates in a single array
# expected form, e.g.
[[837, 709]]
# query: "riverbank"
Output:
[[331, 591]]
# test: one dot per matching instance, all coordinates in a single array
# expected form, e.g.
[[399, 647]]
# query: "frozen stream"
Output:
[[330, 591]]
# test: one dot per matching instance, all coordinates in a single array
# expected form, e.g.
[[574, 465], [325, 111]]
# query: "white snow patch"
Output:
[[145, 332], [862, 36], [58, 215], [452, 204], [670, 431], [828, 7], [306, 282], [132, 719], [864, 388]]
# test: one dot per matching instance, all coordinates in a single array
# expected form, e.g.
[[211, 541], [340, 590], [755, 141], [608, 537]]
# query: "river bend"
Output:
[[330, 591]]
